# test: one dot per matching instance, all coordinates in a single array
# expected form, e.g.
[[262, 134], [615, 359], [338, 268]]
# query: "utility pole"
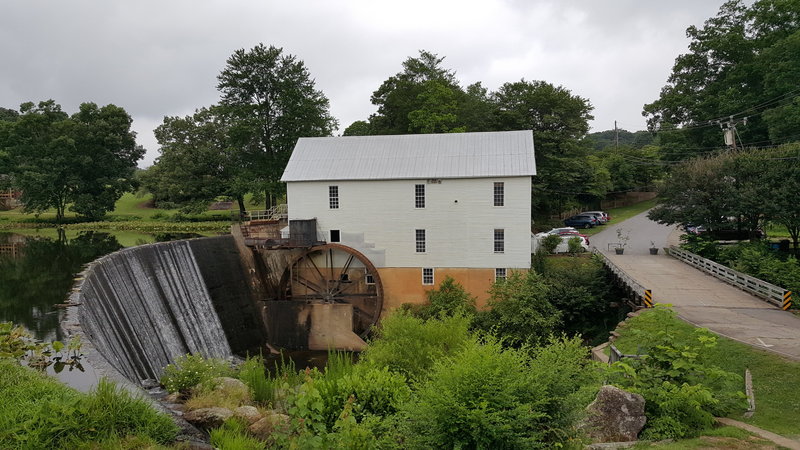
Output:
[[729, 130]]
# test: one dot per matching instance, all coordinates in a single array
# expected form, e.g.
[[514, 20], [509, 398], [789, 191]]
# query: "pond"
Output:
[[37, 270]]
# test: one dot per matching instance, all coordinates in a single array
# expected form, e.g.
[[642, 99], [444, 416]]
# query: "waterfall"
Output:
[[143, 307]]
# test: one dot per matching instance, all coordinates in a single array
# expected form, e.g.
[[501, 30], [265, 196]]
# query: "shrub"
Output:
[[682, 391], [448, 300], [520, 312], [191, 370], [254, 374], [484, 396], [574, 245], [550, 242], [409, 345]]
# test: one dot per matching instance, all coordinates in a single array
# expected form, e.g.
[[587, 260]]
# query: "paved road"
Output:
[[698, 298]]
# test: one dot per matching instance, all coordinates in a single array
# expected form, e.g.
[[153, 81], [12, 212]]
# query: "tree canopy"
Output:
[[269, 101], [744, 62], [85, 160]]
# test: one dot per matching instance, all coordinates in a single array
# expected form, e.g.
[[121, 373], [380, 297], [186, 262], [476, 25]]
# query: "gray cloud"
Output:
[[157, 58]]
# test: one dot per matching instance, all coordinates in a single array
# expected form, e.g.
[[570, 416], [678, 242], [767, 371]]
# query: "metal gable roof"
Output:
[[412, 156]]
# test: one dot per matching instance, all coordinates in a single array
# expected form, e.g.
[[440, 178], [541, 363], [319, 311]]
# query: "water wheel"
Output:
[[335, 273]]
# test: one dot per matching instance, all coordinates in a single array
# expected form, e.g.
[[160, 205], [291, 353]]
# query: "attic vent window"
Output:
[[333, 197], [434, 181]]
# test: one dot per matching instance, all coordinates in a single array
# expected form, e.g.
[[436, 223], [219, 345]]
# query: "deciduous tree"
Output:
[[270, 100]]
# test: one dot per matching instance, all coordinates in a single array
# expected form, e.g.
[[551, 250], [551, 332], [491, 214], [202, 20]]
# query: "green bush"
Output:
[[574, 245], [484, 396], [191, 370], [448, 300], [409, 345], [550, 242], [254, 374], [682, 391], [520, 311]]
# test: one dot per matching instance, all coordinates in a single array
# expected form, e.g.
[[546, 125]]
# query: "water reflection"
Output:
[[37, 272]]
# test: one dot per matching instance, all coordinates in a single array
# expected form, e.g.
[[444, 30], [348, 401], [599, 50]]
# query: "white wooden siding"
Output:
[[459, 219]]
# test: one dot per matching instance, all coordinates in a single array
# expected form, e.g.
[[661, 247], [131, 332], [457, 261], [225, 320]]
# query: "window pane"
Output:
[[427, 275], [500, 274], [499, 194], [419, 195], [499, 241], [333, 197], [420, 236]]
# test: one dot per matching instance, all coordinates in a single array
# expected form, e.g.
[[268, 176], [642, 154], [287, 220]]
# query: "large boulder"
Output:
[[269, 424], [615, 416], [208, 418]]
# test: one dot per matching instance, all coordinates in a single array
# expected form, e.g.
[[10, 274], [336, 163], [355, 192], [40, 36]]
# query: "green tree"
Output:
[[86, 160], [196, 164], [520, 312], [559, 121], [427, 98], [270, 100], [742, 62], [358, 128]]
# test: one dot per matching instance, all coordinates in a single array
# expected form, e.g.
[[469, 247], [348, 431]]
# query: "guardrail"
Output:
[[624, 277], [769, 292], [277, 212]]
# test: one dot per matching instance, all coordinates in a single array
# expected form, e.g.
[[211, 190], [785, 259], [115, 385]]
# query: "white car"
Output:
[[563, 247]]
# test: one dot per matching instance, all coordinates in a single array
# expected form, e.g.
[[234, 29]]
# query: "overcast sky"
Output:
[[159, 58]]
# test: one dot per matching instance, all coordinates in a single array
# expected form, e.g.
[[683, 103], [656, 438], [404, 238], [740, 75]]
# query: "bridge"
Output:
[[697, 297]]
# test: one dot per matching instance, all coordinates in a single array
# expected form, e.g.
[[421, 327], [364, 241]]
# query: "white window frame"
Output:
[[432, 277], [333, 197], [369, 279], [420, 239], [500, 273], [419, 196], [499, 194], [499, 240]]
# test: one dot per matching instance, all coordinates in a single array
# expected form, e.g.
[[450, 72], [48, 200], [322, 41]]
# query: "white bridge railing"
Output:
[[277, 212], [769, 292]]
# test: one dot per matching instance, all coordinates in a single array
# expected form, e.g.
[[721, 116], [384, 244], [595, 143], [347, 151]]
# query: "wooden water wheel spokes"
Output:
[[335, 273]]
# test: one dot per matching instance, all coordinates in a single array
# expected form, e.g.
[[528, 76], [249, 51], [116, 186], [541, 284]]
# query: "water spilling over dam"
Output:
[[143, 307]]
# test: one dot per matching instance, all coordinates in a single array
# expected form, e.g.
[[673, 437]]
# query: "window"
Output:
[[500, 274], [420, 235], [499, 194], [419, 195], [333, 197], [336, 236], [369, 279], [499, 240], [427, 275]]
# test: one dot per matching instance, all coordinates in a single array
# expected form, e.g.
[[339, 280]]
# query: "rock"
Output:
[[228, 384], [175, 397], [614, 416], [247, 413], [208, 417], [149, 383], [269, 424]]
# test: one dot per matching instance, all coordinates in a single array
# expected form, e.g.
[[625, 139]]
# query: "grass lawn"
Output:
[[620, 214], [776, 383], [39, 412], [717, 438]]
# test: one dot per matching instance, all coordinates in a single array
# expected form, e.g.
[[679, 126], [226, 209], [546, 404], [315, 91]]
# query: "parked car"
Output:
[[581, 221], [563, 247], [568, 231], [602, 215]]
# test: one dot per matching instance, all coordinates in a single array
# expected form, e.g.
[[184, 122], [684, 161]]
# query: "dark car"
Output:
[[581, 221]]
